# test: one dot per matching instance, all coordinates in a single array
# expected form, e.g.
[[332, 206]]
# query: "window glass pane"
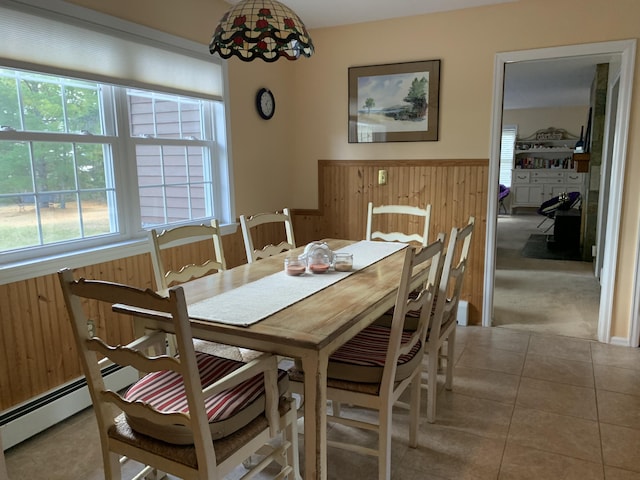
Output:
[[164, 116], [15, 168], [83, 110], [18, 223], [10, 111], [41, 104], [95, 213], [53, 164]]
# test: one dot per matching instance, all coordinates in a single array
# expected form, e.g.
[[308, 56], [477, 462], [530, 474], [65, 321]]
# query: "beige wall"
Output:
[[530, 120], [311, 94]]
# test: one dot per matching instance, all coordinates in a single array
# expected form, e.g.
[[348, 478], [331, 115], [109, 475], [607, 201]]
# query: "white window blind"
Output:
[[38, 34], [507, 150]]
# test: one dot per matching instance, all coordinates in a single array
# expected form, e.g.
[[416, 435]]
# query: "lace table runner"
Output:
[[255, 301]]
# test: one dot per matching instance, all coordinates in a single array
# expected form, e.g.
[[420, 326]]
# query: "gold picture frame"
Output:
[[397, 102]]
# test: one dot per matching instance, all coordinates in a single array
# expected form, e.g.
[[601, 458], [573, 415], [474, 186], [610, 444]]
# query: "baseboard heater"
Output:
[[36, 415]]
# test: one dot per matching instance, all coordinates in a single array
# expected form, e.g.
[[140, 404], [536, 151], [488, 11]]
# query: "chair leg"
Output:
[[112, 469], [291, 434], [432, 389], [384, 442], [542, 222], [451, 343], [414, 411]]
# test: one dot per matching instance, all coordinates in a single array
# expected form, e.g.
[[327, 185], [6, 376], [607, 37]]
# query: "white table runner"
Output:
[[250, 303]]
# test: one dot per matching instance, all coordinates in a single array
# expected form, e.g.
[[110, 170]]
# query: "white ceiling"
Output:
[[330, 13], [561, 82]]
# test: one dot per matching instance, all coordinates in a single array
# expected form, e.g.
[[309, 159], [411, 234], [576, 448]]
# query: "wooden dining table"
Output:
[[309, 329]]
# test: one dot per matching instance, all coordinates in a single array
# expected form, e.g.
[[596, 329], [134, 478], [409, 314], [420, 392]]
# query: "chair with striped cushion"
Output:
[[391, 218], [195, 416], [376, 366], [442, 327], [165, 276], [249, 229]]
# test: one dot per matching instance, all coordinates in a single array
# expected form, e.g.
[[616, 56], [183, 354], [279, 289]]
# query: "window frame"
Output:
[[132, 239]]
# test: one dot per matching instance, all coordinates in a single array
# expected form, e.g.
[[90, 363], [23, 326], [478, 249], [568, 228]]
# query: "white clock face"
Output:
[[266, 104]]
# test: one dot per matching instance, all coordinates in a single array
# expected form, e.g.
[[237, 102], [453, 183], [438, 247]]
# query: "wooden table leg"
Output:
[[315, 416]]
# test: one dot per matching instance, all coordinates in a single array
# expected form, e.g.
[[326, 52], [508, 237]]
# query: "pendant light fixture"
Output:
[[264, 29]]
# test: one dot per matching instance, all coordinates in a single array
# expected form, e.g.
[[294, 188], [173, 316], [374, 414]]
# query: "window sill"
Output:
[[37, 267]]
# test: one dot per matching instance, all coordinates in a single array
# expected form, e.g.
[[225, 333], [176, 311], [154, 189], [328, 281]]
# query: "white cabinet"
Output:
[[532, 187]]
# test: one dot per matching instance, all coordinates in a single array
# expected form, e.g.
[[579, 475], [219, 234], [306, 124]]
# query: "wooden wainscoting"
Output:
[[36, 347], [456, 189]]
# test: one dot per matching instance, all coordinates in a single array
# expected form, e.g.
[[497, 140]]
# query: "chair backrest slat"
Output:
[[394, 215], [175, 237], [249, 223]]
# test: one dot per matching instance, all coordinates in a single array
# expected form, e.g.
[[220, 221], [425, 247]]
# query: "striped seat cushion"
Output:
[[227, 411], [362, 358]]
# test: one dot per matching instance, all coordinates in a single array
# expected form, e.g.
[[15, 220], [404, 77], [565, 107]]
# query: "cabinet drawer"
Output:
[[520, 176], [575, 177], [548, 174], [550, 181]]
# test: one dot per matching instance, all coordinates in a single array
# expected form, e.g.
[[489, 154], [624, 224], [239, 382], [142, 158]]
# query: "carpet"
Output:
[[538, 246]]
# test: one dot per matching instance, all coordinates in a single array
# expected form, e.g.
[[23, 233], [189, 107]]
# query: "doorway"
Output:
[[626, 51]]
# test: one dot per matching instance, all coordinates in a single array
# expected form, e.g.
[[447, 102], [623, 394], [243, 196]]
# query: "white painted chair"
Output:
[[248, 225], [183, 235], [442, 327], [388, 215], [376, 366], [195, 416]]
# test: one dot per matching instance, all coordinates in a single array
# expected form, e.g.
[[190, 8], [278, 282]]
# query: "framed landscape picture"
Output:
[[394, 103]]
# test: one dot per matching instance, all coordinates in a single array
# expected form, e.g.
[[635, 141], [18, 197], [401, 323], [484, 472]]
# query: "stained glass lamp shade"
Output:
[[264, 29]]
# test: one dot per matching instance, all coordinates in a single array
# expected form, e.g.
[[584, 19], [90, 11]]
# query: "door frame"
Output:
[[627, 50]]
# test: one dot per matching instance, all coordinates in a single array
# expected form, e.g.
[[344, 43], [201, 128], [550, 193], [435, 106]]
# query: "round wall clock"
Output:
[[266, 103]]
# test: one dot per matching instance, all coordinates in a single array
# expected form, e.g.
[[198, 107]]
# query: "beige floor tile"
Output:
[[502, 339], [615, 379], [621, 447], [408, 473], [557, 398], [522, 463], [492, 359], [447, 453], [558, 370], [550, 432], [484, 418], [613, 473], [561, 347], [487, 384], [615, 356], [619, 409]]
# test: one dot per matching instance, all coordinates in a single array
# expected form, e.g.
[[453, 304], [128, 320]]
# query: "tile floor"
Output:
[[523, 406]]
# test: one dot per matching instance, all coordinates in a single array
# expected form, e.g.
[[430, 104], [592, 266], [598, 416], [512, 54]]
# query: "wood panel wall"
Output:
[[456, 190], [36, 345]]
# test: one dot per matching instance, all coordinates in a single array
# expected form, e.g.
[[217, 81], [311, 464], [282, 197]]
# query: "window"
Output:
[[507, 149], [93, 153], [60, 157]]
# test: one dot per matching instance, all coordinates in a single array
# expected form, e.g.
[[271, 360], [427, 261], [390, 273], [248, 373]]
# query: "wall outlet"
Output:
[[382, 177]]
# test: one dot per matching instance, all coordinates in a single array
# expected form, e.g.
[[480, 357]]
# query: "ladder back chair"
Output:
[[195, 416], [182, 235], [376, 366], [248, 225], [442, 327], [394, 216]]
